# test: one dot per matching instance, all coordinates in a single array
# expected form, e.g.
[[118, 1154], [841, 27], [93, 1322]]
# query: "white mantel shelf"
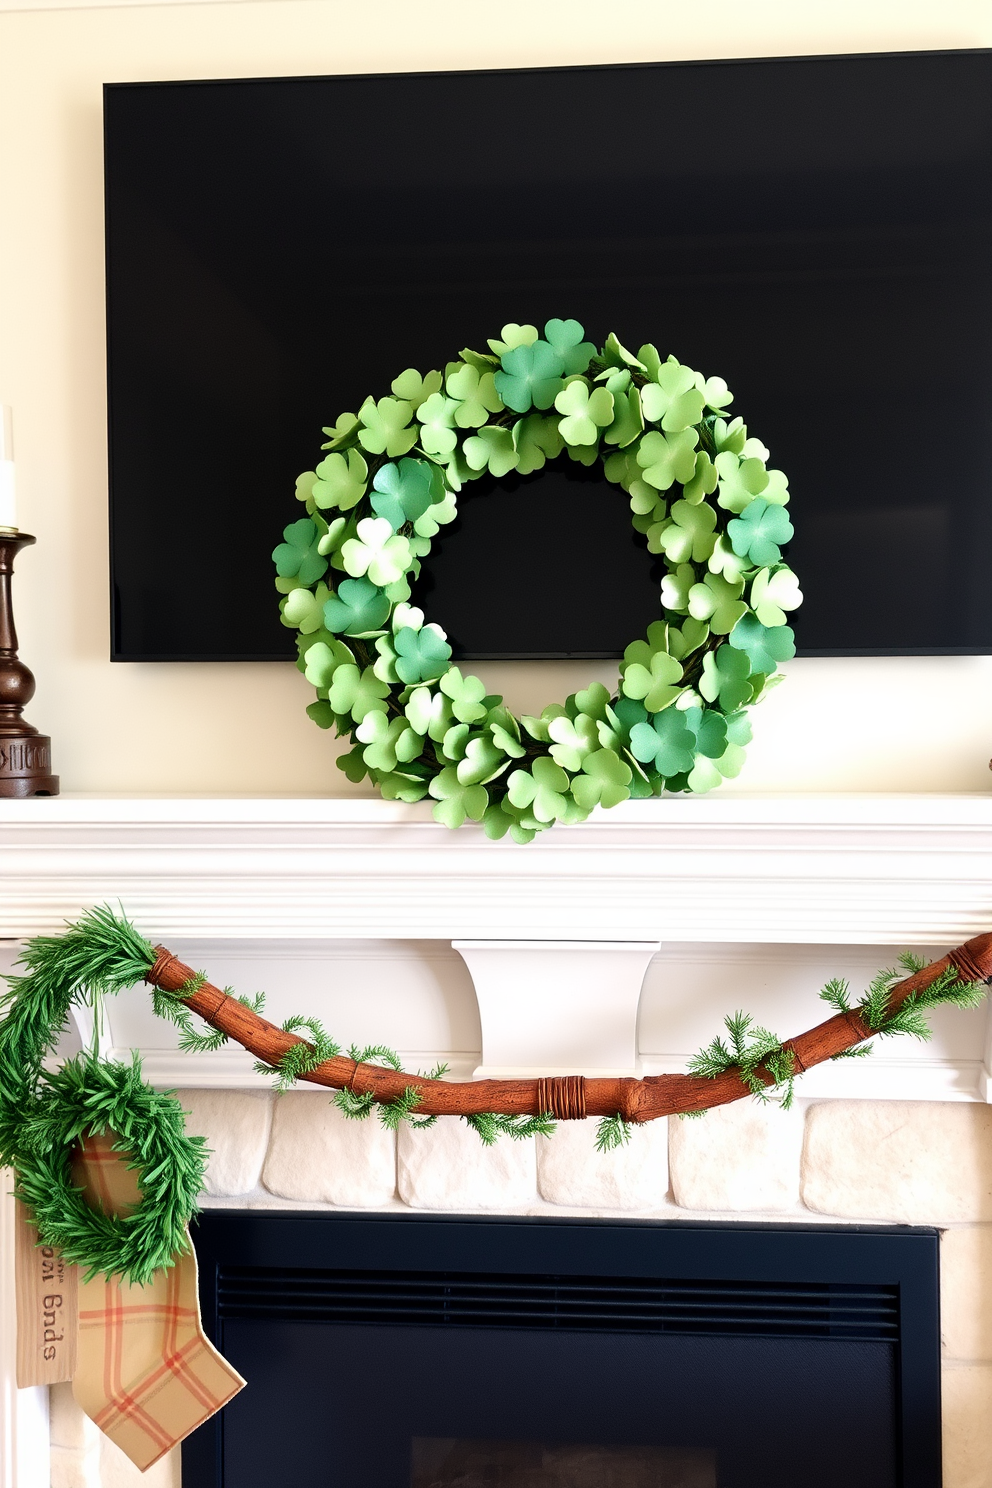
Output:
[[863, 869]]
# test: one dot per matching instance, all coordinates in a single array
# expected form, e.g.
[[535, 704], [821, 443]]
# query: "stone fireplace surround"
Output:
[[750, 902]]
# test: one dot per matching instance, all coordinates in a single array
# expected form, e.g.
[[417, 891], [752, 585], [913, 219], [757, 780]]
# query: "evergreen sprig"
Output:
[[302, 1058], [489, 1125], [755, 1054], [613, 1132]]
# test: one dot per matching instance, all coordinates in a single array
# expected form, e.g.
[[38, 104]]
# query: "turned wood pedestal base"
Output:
[[25, 755]]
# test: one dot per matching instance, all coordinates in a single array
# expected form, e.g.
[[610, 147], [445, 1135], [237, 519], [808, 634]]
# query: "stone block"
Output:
[[118, 1471], [82, 1457], [914, 1162], [447, 1167], [317, 1155], [966, 1293], [736, 1158], [236, 1125], [967, 1413], [571, 1172]]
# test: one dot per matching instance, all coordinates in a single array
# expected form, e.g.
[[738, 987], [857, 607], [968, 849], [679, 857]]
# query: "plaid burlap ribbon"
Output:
[[146, 1373]]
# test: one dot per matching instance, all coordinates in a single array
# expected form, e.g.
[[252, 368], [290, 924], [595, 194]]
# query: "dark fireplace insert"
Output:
[[414, 1351]]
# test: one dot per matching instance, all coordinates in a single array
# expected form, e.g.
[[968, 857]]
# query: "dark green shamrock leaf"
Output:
[[421, 655], [297, 555], [667, 742], [402, 492], [764, 646], [566, 338], [710, 730], [358, 608], [725, 678], [605, 780], [476, 396], [531, 377], [386, 427], [758, 532]]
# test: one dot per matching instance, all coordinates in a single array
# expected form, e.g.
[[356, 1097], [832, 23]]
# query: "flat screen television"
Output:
[[817, 230]]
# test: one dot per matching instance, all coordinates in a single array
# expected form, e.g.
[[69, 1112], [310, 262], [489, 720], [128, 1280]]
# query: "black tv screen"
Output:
[[816, 230]]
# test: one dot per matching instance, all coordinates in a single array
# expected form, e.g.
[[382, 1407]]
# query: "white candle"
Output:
[[8, 502]]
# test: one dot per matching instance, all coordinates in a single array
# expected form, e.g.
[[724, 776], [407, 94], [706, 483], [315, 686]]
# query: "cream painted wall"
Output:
[[865, 724]]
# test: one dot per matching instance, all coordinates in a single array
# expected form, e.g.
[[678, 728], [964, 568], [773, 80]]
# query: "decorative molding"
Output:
[[789, 869]]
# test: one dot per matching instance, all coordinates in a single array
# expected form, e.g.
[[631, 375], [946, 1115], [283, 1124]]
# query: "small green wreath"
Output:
[[699, 492]]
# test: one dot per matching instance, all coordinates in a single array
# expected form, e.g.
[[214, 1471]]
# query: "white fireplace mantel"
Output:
[[786, 868]]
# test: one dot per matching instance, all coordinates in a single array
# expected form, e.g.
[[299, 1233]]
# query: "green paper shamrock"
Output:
[[605, 780], [586, 413], [710, 730], [402, 785], [725, 678], [541, 790], [436, 516], [717, 600], [402, 492], [653, 685], [322, 660], [723, 560], [675, 588], [536, 440], [688, 535], [774, 594], [414, 389], [429, 712], [667, 458], [297, 555], [531, 377], [673, 400], [377, 551], [358, 608], [573, 738], [476, 396], [628, 421], [704, 479], [682, 641], [493, 448], [437, 417], [343, 432], [481, 761], [513, 335], [335, 535], [386, 427], [716, 393], [764, 646], [741, 480], [340, 481], [456, 801], [617, 355], [467, 695], [667, 743], [357, 692], [388, 741], [304, 608], [758, 531], [566, 338], [421, 655]]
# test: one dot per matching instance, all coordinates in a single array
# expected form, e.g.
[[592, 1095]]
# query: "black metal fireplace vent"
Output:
[[630, 1304]]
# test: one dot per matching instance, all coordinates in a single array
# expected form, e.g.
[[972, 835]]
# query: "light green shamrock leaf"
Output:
[[357, 692], [682, 641], [456, 801], [421, 656], [655, 684], [402, 491], [566, 338], [774, 594], [413, 388], [655, 640], [321, 713], [573, 738], [628, 421], [436, 516], [455, 740], [586, 413], [764, 646], [476, 396], [335, 535], [437, 417], [605, 780], [402, 785], [689, 534], [675, 588], [724, 560], [592, 701], [715, 391], [668, 458], [505, 731], [729, 436], [429, 712], [725, 678], [467, 695], [385, 666], [358, 608], [536, 440], [667, 743], [297, 555], [541, 790], [341, 480], [718, 600], [703, 481], [304, 608], [408, 615], [673, 399], [741, 480], [304, 488], [531, 377], [388, 741], [481, 762], [343, 432], [377, 551], [513, 335], [492, 447], [758, 531], [386, 427], [616, 355], [322, 660]]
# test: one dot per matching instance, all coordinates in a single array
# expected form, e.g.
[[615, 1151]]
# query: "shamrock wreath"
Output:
[[699, 492]]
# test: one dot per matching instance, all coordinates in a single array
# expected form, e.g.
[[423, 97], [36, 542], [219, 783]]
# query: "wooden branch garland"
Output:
[[569, 1098]]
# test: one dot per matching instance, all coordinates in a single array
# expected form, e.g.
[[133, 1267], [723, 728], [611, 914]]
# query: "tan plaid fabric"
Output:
[[146, 1374]]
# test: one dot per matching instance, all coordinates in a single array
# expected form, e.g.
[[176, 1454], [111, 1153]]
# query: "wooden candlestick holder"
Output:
[[25, 755]]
